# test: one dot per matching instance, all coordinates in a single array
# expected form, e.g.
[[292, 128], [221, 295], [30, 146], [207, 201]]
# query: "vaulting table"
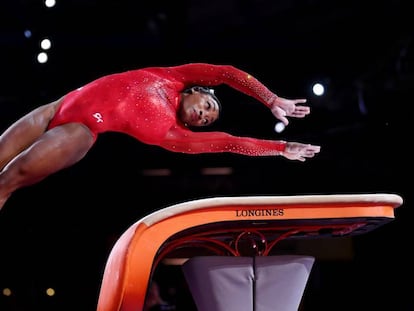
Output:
[[227, 243]]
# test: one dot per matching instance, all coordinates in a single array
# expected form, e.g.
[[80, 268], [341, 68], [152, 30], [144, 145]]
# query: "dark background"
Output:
[[58, 233]]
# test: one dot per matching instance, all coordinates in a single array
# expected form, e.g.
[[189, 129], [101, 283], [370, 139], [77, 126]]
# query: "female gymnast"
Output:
[[155, 105]]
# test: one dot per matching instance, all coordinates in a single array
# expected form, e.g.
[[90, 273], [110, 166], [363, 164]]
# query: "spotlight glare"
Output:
[[50, 3], [279, 127], [27, 33], [7, 291], [50, 292], [45, 44], [42, 57], [318, 89]]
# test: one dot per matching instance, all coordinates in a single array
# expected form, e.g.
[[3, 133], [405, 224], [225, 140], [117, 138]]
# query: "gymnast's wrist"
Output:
[[272, 102], [282, 145]]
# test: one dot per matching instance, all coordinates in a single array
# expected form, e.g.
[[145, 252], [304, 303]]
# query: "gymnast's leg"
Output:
[[25, 131], [54, 150]]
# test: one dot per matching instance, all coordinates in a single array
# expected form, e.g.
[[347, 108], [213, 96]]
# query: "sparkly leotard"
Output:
[[143, 103]]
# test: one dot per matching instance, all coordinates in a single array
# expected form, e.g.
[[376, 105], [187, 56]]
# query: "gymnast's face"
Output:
[[198, 109]]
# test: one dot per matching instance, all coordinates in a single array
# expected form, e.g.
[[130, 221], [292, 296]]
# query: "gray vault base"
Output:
[[261, 283]]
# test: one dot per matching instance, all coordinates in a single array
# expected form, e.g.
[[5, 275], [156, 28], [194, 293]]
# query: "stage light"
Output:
[[27, 33], [279, 127], [50, 3], [7, 292], [318, 89], [157, 172], [217, 171], [45, 44], [42, 57], [50, 292]]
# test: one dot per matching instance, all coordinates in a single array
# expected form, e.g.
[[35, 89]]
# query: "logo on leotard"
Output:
[[98, 117]]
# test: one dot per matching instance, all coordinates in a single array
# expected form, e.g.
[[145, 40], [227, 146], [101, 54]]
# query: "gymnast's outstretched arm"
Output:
[[211, 75], [180, 139]]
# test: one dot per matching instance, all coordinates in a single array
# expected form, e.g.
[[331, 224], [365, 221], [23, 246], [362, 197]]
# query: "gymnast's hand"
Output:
[[299, 151], [283, 108]]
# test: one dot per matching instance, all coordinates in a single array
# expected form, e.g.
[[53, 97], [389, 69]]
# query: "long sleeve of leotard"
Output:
[[211, 75], [183, 140], [180, 139]]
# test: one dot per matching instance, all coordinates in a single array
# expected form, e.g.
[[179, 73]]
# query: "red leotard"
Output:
[[143, 103]]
